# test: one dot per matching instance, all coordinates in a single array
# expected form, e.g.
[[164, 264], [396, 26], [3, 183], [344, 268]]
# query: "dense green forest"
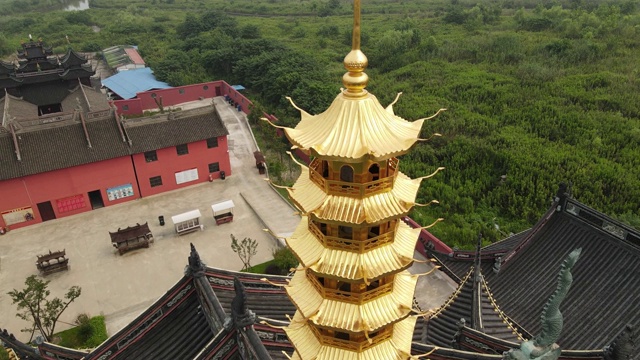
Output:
[[537, 92]]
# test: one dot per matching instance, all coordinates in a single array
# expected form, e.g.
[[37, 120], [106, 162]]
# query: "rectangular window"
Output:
[[155, 181], [151, 156], [125, 107], [182, 149], [212, 142], [215, 167], [181, 91]]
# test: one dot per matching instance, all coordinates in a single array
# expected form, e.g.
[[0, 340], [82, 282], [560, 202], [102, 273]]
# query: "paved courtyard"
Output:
[[120, 287]]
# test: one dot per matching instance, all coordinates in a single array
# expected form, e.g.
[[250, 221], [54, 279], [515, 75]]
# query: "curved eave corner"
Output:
[[352, 128]]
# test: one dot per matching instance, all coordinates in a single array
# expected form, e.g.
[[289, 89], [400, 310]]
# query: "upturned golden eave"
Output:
[[350, 266], [355, 128], [308, 346], [310, 198], [369, 316]]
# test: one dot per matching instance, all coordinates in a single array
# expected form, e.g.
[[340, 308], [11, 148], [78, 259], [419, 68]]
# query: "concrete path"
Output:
[[120, 287]]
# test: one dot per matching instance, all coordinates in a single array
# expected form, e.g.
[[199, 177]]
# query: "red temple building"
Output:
[[65, 149]]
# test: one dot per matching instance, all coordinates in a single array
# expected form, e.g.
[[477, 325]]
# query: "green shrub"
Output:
[[284, 259], [85, 330]]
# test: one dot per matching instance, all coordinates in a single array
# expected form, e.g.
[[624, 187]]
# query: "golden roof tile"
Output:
[[308, 346], [351, 265], [354, 128], [374, 208], [369, 316]]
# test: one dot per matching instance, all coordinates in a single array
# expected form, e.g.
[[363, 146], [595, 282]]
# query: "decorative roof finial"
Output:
[[195, 267], [543, 346], [241, 316], [355, 80]]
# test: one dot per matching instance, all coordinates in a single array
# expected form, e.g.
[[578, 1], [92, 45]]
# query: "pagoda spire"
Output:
[[355, 80], [352, 290]]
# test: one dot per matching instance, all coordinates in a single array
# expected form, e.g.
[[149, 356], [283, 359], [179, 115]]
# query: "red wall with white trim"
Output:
[[169, 162]]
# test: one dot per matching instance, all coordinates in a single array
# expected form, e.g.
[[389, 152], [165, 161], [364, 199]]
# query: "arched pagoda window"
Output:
[[374, 170], [346, 173]]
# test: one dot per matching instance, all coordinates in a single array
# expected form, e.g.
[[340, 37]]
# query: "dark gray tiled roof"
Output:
[[605, 295], [440, 353], [506, 244], [172, 328], [23, 351], [458, 263], [161, 131], [57, 147], [264, 299], [60, 147], [443, 325]]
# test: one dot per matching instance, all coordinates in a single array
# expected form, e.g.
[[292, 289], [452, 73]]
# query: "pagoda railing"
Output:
[[356, 346], [359, 246], [343, 188], [348, 296]]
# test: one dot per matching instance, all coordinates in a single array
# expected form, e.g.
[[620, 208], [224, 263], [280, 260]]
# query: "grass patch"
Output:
[[260, 268], [71, 338]]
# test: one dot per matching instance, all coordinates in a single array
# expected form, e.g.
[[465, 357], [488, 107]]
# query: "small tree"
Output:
[[36, 308], [246, 249]]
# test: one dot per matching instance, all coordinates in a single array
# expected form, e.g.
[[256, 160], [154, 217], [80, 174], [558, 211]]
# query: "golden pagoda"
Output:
[[352, 290]]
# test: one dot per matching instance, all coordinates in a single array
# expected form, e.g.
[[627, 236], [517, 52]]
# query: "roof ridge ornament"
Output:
[[241, 316], [355, 80], [196, 266], [544, 346]]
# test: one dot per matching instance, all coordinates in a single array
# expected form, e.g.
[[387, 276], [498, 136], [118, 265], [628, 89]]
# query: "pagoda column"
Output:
[[352, 290]]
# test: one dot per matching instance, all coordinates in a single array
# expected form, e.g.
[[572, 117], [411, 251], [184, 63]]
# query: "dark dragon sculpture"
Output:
[[543, 346]]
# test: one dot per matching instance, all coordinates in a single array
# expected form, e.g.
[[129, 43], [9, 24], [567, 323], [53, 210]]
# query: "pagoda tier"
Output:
[[349, 310], [354, 129], [389, 252], [311, 343], [394, 201]]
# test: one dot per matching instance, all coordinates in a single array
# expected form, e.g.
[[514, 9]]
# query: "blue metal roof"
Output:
[[237, 87], [127, 83]]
